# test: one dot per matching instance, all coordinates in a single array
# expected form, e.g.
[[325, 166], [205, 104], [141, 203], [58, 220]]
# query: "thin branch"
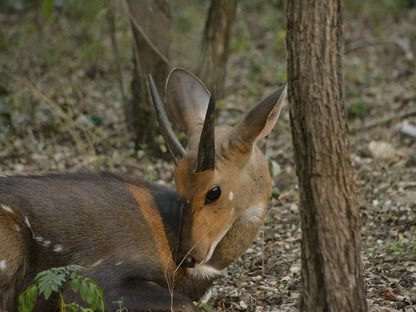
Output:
[[375, 123], [112, 25], [403, 44], [144, 35]]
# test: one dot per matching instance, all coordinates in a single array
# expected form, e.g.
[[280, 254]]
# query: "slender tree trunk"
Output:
[[331, 266], [215, 43], [150, 20]]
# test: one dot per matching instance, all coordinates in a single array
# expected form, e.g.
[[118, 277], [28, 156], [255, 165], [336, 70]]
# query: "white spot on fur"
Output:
[[45, 243], [253, 214], [204, 271], [6, 208], [119, 263], [39, 239], [3, 265], [28, 223], [29, 226], [58, 248], [231, 195], [17, 227], [97, 263]]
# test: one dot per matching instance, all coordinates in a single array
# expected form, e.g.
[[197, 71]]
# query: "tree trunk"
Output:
[[331, 266], [215, 42], [150, 22]]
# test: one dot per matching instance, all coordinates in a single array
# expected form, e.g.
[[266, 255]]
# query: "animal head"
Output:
[[222, 178]]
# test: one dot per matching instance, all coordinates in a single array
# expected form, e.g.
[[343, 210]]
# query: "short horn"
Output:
[[177, 151], [206, 149]]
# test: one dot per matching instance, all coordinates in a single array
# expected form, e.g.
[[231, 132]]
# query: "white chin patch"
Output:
[[253, 214], [204, 271]]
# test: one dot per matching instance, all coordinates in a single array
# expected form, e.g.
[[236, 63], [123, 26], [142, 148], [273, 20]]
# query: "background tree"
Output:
[[150, 23], [331, 267], [150, 56], [215, 43]]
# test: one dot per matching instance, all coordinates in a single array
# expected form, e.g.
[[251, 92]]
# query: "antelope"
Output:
[[153, 247]]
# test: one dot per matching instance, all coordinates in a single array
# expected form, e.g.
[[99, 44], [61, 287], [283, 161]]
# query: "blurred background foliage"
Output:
[[58, 80]]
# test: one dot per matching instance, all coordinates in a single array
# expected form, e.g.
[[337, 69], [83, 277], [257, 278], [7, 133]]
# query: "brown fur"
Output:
[[148, 206], [14, 252]]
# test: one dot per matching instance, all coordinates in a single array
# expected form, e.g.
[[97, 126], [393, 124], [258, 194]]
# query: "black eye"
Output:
[[213, 194]]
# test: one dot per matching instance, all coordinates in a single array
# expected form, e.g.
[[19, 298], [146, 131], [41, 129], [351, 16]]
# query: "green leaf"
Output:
[[101, 304], [52, 280], [47, 292], [47, 9], [27, 299], [94, 120], [41, 275], [26, 307], [75, 285], [99, 290], [94, 303], [84, 290], [91, 294], [32, 293], [22, 297], [75, 268], [275, 193], [374, 252], [59, 279], [141, 154], [73, 306]]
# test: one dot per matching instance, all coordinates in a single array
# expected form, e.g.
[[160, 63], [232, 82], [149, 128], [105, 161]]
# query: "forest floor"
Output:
[[61, 110]]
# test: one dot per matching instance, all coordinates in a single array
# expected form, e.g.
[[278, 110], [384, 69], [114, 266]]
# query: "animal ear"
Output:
[[258, 122], [187, 100]]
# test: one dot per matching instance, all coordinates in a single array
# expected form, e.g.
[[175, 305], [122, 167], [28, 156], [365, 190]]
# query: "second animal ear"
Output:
[[258, 122]]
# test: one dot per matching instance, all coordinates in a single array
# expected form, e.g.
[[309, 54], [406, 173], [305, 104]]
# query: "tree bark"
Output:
[[215, 43], [331, 266], [151, 21]]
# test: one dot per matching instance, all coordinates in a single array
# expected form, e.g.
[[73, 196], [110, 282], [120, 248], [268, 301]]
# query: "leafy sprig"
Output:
[[54, 280]]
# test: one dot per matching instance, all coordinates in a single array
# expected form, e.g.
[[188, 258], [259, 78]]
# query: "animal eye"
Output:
[[213, 194]]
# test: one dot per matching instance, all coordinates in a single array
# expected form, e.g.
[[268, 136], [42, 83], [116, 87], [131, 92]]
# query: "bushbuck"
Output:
[[153, 247]]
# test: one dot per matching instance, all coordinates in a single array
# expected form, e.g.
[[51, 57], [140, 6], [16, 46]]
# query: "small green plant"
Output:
[[358, 110], [205, 306], [276, 192], [374, 253], [120, 306], [402, 248], [54, 280]]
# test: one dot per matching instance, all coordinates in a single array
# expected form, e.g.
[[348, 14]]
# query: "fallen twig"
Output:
[[402, 43], [379, 122]]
